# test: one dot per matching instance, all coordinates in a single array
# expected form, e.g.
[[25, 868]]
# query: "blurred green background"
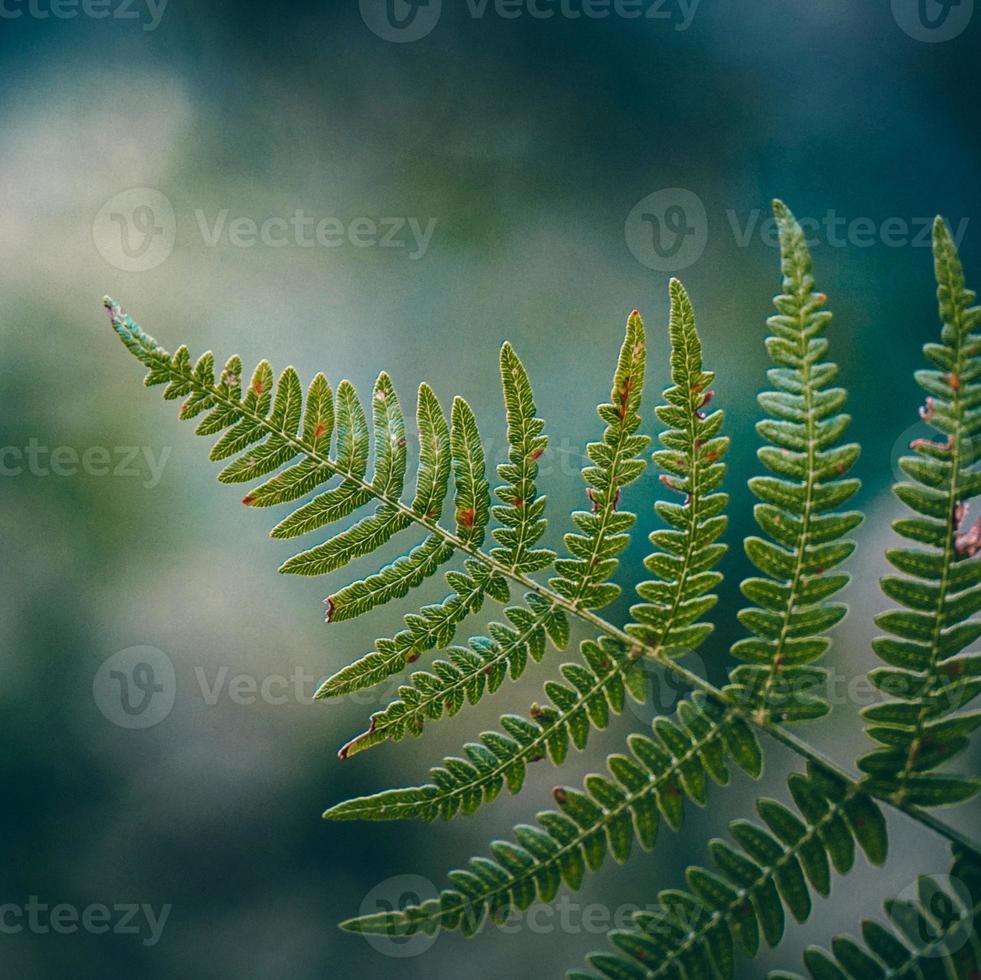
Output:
[[523, 143]]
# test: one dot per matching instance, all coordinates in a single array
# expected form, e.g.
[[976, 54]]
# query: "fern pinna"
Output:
[[313, 452], [928, 676]]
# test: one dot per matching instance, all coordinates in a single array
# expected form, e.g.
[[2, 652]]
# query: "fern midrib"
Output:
[[654, 783], [805, 531], [695, 503], [746, 892], [609, 508], [948, 556], [525, 481], [775, 730]]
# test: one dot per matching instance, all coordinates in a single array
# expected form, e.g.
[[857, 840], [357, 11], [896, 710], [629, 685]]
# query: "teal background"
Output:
[[529, 142]]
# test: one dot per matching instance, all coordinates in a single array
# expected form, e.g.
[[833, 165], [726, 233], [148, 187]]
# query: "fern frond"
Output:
[[434, 626], [594, 691], [305, 452], [679, 595], [609, 670], [583, 578], [940, 588], [521, 511], [798, 504], [605, 817], [775, 867], [933, 938], [470, 673]]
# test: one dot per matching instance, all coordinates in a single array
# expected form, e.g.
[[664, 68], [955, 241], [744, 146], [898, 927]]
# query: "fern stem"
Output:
[[147, 350]]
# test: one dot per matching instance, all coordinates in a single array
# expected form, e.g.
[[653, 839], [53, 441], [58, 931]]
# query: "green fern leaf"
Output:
[[930, 678], [471, 673], [770, 871], [798, 504], [605, 817], [593, 692], [596, 687], [934, 936], [676, 600], [521, 512], [435, 625], [583, 578]]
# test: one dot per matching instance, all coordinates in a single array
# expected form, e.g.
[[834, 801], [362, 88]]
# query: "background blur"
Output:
[[485, 173]]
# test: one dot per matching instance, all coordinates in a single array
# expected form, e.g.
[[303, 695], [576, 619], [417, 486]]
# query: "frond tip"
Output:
[[929, 677], [670, 619], [799, 503]]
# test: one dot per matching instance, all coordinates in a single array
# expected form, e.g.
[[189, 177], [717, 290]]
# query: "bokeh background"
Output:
[[524, 144]]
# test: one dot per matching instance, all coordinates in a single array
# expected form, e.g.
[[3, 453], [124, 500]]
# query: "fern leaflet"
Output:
[[798, 503], [932, 938], [940, 588]]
